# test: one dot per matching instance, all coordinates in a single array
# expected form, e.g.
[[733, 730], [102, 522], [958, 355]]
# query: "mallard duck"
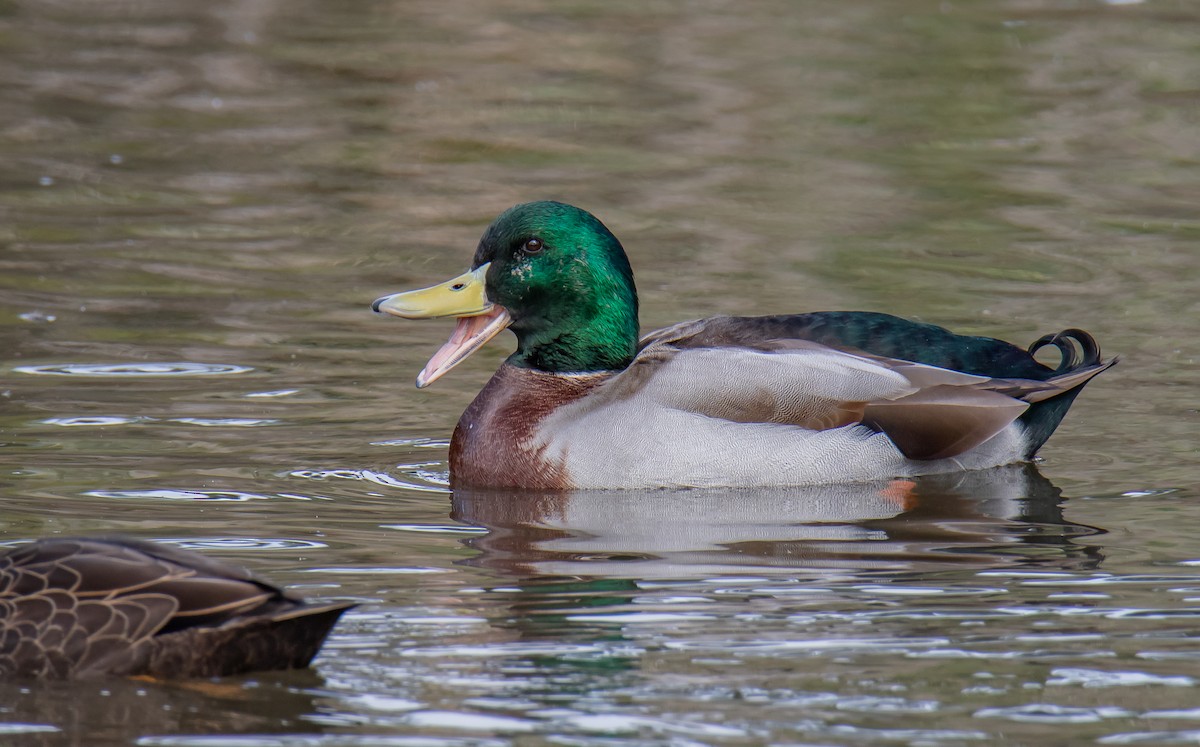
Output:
[[78, 608], [816, 398]]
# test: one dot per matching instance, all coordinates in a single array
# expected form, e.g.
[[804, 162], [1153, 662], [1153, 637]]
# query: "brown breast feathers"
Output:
[[495, 444]]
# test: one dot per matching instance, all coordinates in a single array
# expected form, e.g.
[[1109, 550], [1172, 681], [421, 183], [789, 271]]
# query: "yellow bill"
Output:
[[464, 297]]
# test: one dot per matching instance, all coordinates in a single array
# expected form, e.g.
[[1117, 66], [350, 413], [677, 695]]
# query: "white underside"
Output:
[[666, 447]]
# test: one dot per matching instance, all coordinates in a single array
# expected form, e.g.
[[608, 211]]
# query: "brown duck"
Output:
[[79, 608]]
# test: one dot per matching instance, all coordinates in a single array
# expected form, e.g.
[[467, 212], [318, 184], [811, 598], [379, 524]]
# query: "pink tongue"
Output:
[[469, 333], [467, 328]]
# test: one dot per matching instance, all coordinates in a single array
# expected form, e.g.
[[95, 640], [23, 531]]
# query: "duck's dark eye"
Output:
[[533, 246]]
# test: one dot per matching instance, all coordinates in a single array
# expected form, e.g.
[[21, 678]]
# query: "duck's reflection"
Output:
[[1009, 515]]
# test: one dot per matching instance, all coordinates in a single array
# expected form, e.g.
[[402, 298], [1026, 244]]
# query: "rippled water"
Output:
[[198, 202]]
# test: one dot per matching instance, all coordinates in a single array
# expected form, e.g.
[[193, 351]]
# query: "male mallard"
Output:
[[76, 608], [812, 398]]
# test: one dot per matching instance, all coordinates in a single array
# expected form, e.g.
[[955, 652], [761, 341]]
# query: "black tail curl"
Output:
[[1077, 348]]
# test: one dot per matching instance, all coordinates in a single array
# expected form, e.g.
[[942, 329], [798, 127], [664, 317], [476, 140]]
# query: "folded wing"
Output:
[[928, 412]]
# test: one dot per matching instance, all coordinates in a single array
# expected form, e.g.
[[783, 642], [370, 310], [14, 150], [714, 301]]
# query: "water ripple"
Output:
[[1037, 653], [1107, 579], [876, 704], [435, 528], [313, 740], [179, 495], [1190, 714], [95, 420], [436, 482], [179, 368], [613, 723], [1168, 655], [460, 621], [1152, 737], [104, 420], [910, 736], [227, 422], [326, 474], [939, 591], [376, 571], [827, 644], [1049, 713], [382, 703], [525, 648], [419, 443], [460, 721], [1112, 613], [1101, 678], [37, 317], [27, 728], [241, 543], [642, 617], [1151, 614], [1139, 493]]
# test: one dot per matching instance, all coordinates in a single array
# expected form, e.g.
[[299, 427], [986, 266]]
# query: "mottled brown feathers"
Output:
[[75, 608]]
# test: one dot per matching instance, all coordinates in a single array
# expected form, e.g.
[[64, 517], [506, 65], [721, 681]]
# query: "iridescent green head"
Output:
[[551, 272], [565, 280]]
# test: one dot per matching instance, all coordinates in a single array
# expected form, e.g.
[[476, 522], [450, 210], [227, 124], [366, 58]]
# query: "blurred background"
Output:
[[199, 201]]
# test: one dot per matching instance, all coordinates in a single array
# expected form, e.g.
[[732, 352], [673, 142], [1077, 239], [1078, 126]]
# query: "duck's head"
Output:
[[554, 274]]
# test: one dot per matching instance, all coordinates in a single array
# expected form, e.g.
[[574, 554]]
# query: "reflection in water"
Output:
[[773, 603], [106, 712], [1003, 516], [134, 369]]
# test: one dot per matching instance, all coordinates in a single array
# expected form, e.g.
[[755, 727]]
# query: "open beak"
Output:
[[464, 297]]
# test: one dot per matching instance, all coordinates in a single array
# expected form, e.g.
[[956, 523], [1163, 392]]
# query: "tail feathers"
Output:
[[1072, 379], [1087, 354], [1081, 361]]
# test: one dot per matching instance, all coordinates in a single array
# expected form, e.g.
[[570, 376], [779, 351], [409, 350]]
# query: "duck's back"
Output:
[[875, 333]]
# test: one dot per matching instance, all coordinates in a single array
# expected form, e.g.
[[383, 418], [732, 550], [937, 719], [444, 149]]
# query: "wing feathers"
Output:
[[943, 421], [815, 389], [928, 412]]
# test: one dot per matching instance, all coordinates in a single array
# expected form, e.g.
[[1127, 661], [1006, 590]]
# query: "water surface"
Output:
[[198, 203]]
